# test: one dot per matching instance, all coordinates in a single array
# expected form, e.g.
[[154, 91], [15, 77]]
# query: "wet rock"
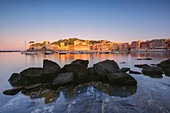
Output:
[[13, 91], [63, 78], [50, 69], [32, 87], [17, 80], [81, 62], [91, 71], [167, 72], [109, 70], [125, 69], [141, 65], [121, 79], [32, 73], [152, 71], [102, 68], [134, 72], [144, 59], [80, 72], [165, 64]]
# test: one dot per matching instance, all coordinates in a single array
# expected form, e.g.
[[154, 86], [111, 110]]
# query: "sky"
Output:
[[113, 20]]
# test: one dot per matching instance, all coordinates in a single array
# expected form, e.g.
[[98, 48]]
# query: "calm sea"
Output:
[[151, 94]]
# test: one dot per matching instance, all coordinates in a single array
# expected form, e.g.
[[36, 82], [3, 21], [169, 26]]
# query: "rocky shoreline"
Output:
[[52, 76]]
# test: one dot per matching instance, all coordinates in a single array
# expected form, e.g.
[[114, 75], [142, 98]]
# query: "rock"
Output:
[[134, 72], [63, 78], [125, 69], [121, 79], [81, 62], [167, 72], [13, 91], [91, 71], [109, 70], [32, 73], [105, 67], [17, 80], [144, 59], [33, 87], [165, 64], [50, 69], [80, 71], [141, 65], [152, 71]]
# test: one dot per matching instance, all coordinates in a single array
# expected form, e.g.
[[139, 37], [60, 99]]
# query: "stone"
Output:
[[167, 72], [50, 69], [109, 70], [81, 62], [63, 78], [125, 69], [32, 87], [13, 91], [17, 80], [121, 79], [165, 64], [134, 72], [32, 73], [81, 72], [141, 65], [152, 71], [91, 71], [105, 67]]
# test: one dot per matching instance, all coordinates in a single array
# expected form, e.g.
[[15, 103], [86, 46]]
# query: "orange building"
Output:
[[81, 48]]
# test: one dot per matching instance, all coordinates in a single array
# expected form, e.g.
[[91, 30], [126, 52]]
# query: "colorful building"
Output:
[[135, 45], [124, 46]]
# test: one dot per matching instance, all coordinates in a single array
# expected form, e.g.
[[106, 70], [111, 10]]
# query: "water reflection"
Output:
[[70, 92]]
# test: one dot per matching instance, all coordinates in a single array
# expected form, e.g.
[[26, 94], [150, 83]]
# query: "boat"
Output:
[[115, 52], [31, 53], [103, 52], [23, 52], [62, 52], [48, 53], [75, 52], [85, 52]]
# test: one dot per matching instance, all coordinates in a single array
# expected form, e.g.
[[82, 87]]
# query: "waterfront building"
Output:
[[144, 45], [124, 46], [135, 45], [55, 47], [63, 46], [159, 44]]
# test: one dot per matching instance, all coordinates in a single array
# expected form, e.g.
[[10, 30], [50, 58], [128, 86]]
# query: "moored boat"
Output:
[[62, 52], [31, 53]]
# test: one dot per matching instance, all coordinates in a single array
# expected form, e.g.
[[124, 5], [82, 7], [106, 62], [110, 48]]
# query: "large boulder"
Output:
[[13, 91], [165, 64], [152, 71], [121, 79], [81, 62], [32, 73], [17, 80], [50, 69], [109, 70], [63, 78], [105, 67], [81, 72]]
